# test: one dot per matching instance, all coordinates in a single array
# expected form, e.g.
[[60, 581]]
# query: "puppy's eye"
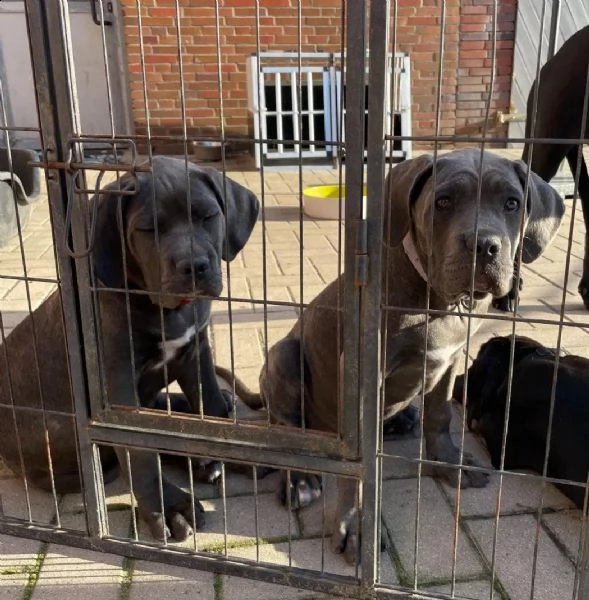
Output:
[[209, 217], [146, 228], [512, 205], [443, 203]]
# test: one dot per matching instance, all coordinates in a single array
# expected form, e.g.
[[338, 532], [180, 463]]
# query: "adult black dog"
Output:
[[533, 372], [200, 220], [559, 115]]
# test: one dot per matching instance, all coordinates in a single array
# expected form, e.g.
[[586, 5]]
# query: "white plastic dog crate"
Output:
[[279, 120]]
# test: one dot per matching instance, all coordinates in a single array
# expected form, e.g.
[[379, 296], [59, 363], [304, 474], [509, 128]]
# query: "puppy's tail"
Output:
[[249, 398]]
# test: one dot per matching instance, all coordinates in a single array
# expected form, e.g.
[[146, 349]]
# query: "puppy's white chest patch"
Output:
[[169, 348], [441, 358], [438, 360]]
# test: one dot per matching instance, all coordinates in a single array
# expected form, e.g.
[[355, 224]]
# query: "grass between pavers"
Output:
[[218, 587], [128, 567], [35, 571]]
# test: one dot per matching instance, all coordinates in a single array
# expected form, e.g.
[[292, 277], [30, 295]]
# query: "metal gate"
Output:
[[101, 423], [192, 444]]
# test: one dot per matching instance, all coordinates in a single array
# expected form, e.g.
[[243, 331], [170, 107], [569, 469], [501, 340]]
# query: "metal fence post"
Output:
[[371, 297], [355, 77], [52, 67]]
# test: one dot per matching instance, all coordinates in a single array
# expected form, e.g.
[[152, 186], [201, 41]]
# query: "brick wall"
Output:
[[466, 69], [475, 63]]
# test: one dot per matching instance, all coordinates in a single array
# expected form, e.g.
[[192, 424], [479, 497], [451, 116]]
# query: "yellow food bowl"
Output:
[[322, 201]]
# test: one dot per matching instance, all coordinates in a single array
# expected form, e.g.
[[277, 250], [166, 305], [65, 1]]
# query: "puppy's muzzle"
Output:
[[200, 266], [486, 246]]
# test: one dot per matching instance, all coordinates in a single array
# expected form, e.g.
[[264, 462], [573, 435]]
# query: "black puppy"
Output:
[[533, 372], [162, 334]]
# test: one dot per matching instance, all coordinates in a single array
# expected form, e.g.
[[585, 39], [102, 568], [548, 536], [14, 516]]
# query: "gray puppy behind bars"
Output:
[[196, 231], [411, 199]]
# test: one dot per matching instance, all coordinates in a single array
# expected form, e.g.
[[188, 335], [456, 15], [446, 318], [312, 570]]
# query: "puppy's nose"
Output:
[[488, 245], [200, 264]]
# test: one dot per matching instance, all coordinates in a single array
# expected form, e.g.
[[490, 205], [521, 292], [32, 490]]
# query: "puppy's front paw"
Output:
[[303, 488], [180, 518], [441, 448], [403, 422], [345, 538]]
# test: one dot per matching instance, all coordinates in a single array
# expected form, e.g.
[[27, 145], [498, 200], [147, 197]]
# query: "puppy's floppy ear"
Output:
[[403, 185], [111, 214], [240, 207], [544, 208]]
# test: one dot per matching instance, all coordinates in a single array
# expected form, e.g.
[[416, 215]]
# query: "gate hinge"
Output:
[[361, 254]]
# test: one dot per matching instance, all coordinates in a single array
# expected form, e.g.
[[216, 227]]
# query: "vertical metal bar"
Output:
[[261, 121], [370, 421], [554, 27], [582, 569], [224, 189], [264, 113], [51, 55], [295, 112], [355, 76], [279, 114], [311, 109], [299, 135], [405, 107]]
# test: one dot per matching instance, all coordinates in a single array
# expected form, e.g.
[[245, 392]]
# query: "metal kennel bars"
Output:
[[357, 450]]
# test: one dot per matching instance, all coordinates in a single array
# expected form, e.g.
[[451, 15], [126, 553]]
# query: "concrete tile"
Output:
[[514, 558], [119, 522], [116, 494], [470, 590], [73, 591], [566, 526], [310, 291], [153, 581], [519, 493], [239, 484], [318, 518], [436, 531], [246, 346], [405, 452], [305, 554], [237, 588], [72, 567], [408, 448], [14, 502], [17, 559]]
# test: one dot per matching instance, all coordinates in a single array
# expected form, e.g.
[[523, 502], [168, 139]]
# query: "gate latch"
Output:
[[361, 254]]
